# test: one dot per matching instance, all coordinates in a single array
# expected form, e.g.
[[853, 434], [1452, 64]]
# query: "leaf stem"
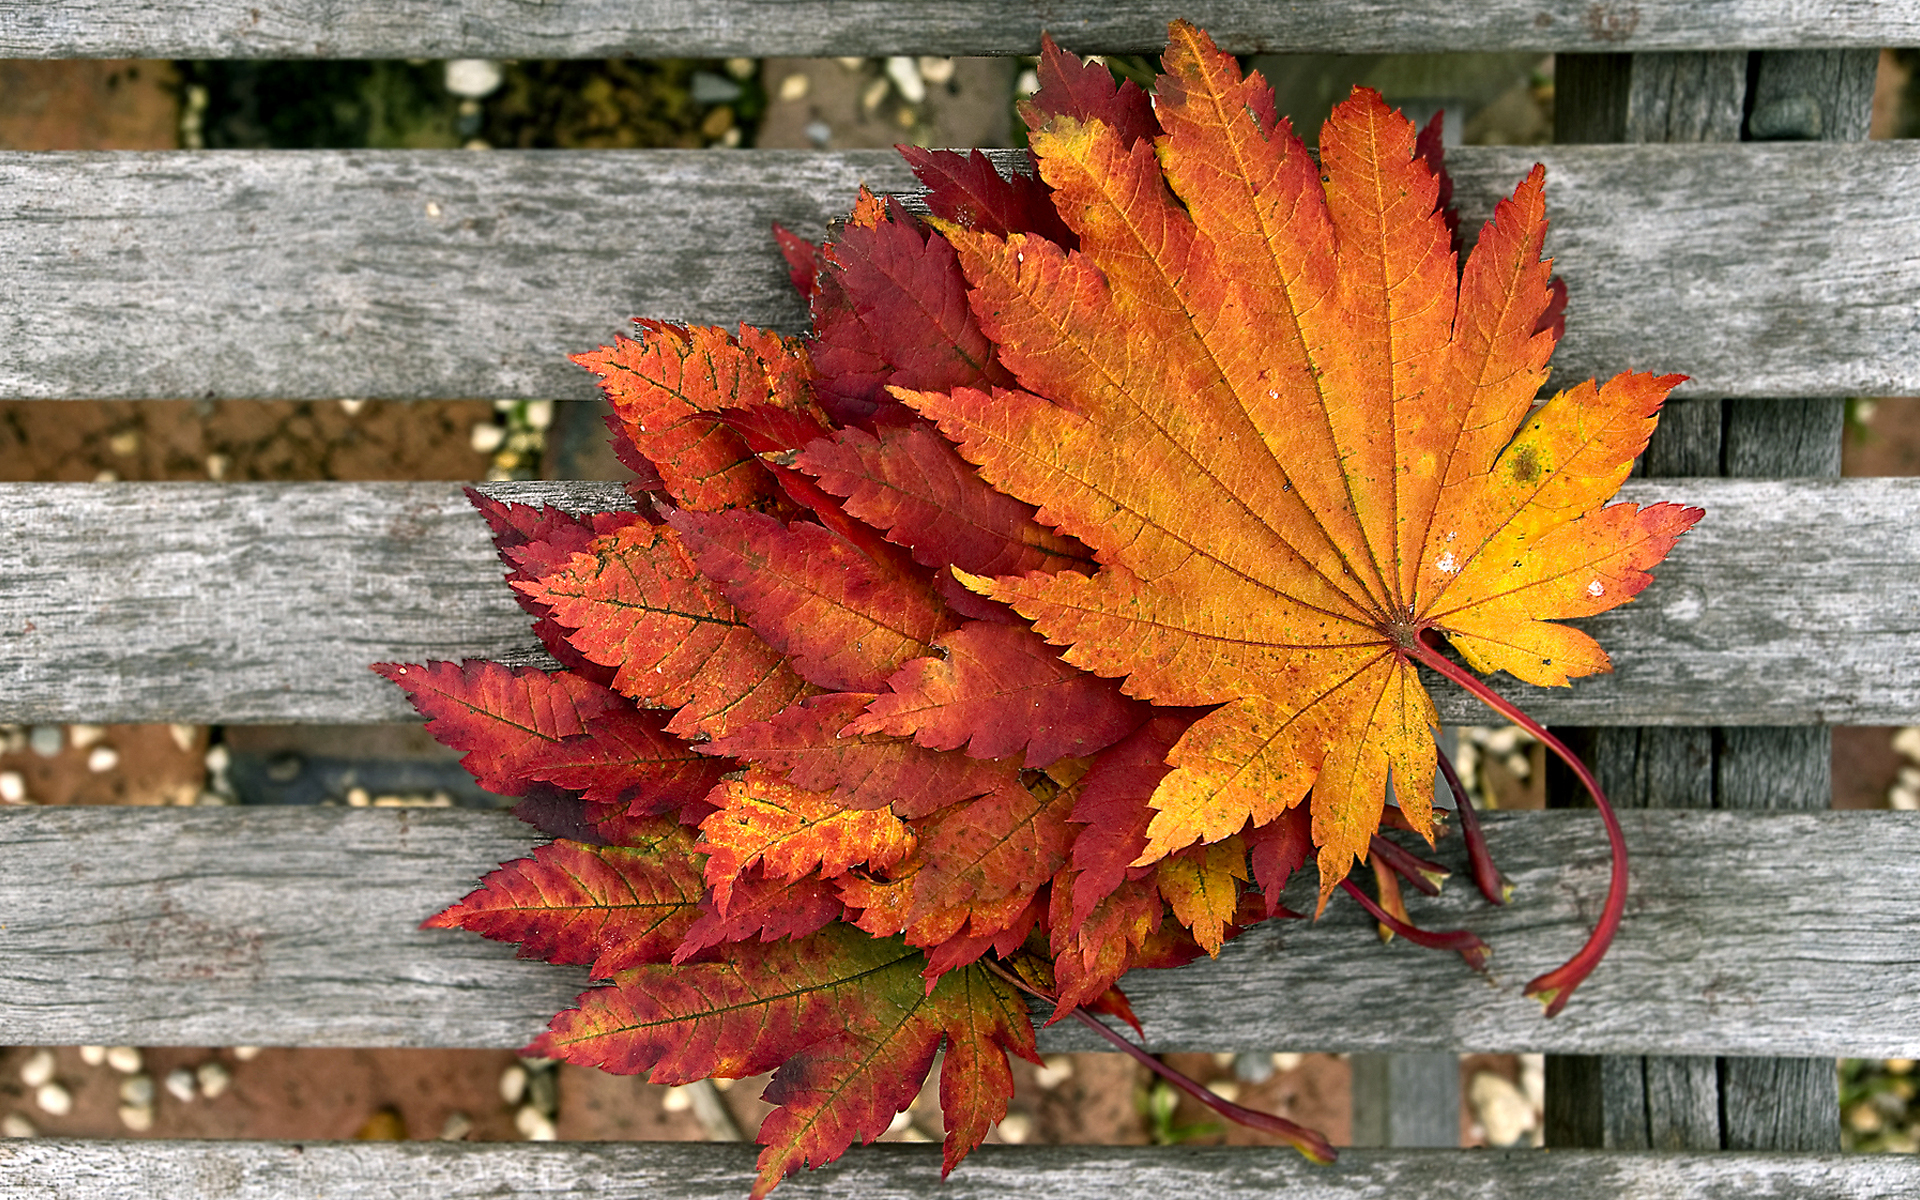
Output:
[[1487, 877], [1310, 1143], [1422, 874], [1463, 943], [1555, 987]]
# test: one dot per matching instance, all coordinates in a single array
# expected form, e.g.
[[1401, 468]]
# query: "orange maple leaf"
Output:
[[1300, 441]]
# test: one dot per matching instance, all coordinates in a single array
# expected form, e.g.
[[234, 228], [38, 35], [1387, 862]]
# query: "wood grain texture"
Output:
[[299, 926], [65, 1169], [1792, 603], [712, 28], [1779, 270]]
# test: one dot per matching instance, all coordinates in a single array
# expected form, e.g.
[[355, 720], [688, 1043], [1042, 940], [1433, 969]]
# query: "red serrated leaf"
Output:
[[1002, 690], [803, 260], [1277, 849], [764, 908], [1092, 952], [910, 483], [864, 770], [846, 1087], [666, 389], [790, 832], [1000, 927], [1111, 802], [612, 906], [966, 189], [986, 850], [891, 306], [638, 603], [503, 717], [741, 1013], [1086, 92], [984, 1020], [626, 757], [844, 620], [851, 1086]]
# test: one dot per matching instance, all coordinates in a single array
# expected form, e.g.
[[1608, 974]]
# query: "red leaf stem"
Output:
[[1312, 1144], [1422, 874], [1555, 987], [1465, 944], [1492, 884]]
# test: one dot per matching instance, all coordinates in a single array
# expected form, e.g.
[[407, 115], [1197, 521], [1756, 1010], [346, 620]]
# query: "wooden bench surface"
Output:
[[1746, 933], [1793, 602], [1758, 270], [82, 1170], [713, 28]]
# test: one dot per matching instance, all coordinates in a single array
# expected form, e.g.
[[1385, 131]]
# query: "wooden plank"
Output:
[[299, 926], [1778, 270], [1792, 603], [714, 28], [73, 1169]]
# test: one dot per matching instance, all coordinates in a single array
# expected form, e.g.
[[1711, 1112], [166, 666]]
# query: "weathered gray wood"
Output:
[[1785, 270], [62, 1169], [1745, 934], [1406, 1100], [1821, 96], [1780, 1104], [711, 28], [1791, 603], [1612, 97]]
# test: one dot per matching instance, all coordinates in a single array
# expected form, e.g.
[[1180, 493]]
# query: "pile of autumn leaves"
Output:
[[818, 796]]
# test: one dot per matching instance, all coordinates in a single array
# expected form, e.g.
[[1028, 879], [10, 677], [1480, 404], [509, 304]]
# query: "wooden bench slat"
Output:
[[74, 1169], [1759, 270], [1746, 935], [716, 28], [1792, 603]]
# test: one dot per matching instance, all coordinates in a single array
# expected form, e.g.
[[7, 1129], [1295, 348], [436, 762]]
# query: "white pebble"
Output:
[[534, 1125], [458, 1125], [1053, 1072], [677, 1099], [13, 787], [1501, 1109], [1287, 1060], [485, 437], [352, 407], [1015, 1128], [102, 759], [472, 77], [83, 736], [218, 760], [38, 1068], [125, 1059], [246, 1053], [1907, 742], [1226, 1089], [513, 1084], [137, 1090], [47, 740], [905, 74], [795, 87], [213, 1078], [935, 70], [15, 1125], [54, 1099], [184, 736], [217, 465], [358, 797], [179, 1084], [138, 1118], [93, 1056], [540, 413]]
